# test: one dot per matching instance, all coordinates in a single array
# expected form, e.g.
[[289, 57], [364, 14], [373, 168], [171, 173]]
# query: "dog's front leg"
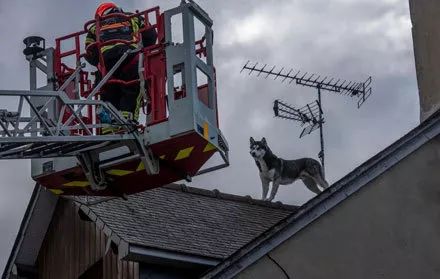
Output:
[[275, 185], [265, 184]]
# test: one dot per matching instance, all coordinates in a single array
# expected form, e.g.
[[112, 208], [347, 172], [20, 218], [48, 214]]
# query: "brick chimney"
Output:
[[425, 17]]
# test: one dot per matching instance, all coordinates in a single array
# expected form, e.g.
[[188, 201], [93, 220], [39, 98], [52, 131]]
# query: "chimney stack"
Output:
[[425, 17]]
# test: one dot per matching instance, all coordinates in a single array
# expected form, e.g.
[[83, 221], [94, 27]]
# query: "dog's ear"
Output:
[[251, 140], [263, 141]]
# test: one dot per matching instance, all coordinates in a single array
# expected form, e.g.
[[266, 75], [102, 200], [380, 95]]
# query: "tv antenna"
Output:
[[312, 113]]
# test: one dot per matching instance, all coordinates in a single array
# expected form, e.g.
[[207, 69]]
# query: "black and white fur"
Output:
[[283, 172]]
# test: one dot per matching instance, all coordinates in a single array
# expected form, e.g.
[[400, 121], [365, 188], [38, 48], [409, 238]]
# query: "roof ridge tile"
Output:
[[229, 197]]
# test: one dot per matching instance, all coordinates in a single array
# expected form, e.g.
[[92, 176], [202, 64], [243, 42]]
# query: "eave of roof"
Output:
[[32, 231], [328, 199], [146, 254], [21, 230], [133, 251]]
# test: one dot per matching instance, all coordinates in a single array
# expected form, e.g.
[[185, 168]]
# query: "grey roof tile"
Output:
[[190, 220]]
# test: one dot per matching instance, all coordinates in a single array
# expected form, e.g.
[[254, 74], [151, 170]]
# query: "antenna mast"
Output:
[[312, 113]]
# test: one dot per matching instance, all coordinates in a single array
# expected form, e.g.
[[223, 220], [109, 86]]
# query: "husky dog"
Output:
[[284, 172]]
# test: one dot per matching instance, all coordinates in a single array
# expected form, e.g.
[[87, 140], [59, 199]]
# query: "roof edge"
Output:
[[147, 254], [100, 224], [229, 197], [328, 199], [21, 231], [132, 251]]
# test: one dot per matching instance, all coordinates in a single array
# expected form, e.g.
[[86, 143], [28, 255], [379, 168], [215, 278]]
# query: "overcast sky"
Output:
[[350, 39]]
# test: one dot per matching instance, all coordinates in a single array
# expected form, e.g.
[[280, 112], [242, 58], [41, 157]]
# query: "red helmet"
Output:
[[103, 7]]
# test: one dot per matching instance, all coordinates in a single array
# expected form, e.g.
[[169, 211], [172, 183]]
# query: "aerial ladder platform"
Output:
[[56, 124]]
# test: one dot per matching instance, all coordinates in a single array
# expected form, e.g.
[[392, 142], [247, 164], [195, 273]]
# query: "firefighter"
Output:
[[127, 99]]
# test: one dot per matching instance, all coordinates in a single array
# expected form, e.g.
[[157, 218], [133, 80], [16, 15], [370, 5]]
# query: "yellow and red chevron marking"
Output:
[[184, 155]]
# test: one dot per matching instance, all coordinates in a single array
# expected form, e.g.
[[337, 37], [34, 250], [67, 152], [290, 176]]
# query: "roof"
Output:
[[32, 229], [331, 197], [189, 220], [174, 219]]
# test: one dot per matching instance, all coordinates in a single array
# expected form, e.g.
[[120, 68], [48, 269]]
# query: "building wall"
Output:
[[388, 229], [154, 271], [74, 248], [426, 37]]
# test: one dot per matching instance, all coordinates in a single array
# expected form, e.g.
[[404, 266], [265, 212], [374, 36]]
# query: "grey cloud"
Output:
[[349, 39]]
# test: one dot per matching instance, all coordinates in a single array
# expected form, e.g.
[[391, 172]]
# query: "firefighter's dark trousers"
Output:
[[127, 99]]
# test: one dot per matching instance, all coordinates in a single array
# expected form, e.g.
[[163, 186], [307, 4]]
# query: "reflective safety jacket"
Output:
[[116, 28]]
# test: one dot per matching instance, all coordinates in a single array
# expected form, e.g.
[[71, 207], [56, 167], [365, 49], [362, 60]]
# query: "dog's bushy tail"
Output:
[[321, 179]]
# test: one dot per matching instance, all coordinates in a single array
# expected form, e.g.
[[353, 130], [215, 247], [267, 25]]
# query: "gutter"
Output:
[[152, 255]]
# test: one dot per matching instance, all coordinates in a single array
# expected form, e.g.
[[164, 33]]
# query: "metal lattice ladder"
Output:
[[39, 129]]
